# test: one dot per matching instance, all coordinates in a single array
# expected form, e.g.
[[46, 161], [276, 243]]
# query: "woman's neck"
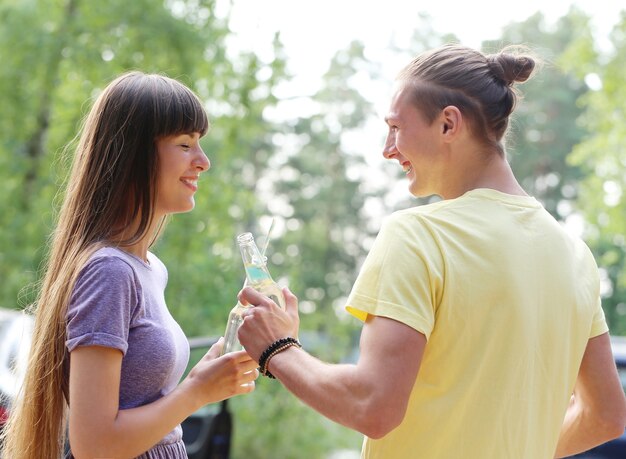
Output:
[[140, 247], [140, 250]]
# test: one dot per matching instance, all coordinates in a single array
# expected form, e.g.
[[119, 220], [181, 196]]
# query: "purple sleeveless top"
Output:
[[118, 302]]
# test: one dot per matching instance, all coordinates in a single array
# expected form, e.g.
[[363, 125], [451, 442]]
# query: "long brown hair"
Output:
[[112, 185], [480, 86]]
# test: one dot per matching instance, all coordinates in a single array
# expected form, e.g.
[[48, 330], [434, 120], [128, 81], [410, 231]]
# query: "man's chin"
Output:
[[422, 193]]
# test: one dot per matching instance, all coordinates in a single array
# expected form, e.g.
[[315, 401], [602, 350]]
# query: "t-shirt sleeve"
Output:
[[598, 324], [101, 305], [591, 278], [401, 277]]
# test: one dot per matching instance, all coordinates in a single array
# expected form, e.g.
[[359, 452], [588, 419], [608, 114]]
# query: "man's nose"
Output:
[[390, 150]]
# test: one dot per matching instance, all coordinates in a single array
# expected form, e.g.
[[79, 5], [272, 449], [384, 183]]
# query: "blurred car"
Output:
[[15, 336], [614, 449]]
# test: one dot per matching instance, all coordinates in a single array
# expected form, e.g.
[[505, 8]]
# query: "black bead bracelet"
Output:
[[277, 346]]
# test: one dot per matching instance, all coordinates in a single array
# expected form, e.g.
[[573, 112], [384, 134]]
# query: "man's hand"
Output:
[[264, 322]]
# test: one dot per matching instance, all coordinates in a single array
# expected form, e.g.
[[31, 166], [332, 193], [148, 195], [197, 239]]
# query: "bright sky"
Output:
[[313, 31]]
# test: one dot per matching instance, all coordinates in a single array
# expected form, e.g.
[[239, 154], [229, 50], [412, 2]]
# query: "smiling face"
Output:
[[181, 160], [414, 143]]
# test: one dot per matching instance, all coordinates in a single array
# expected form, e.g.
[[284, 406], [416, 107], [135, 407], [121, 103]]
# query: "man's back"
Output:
[[507, 301]]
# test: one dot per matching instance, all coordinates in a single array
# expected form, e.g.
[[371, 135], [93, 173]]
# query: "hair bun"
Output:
[[511, 68]]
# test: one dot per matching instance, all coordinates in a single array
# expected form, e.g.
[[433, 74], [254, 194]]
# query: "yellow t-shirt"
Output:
[[507, 300]]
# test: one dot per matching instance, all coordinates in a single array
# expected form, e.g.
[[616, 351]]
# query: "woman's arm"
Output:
[[98, 428]]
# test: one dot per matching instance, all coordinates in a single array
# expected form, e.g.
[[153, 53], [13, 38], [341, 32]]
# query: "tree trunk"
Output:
[[35, 146]]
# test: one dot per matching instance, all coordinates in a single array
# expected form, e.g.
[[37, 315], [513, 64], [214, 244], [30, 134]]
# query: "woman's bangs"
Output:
[[182, 112]]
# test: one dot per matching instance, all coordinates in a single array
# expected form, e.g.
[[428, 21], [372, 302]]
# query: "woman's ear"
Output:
[[451, 121]]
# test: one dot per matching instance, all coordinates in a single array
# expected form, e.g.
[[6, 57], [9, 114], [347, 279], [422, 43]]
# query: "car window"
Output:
[[13, 356]]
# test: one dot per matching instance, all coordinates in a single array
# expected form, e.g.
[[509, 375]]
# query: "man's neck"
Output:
[[493, 172]]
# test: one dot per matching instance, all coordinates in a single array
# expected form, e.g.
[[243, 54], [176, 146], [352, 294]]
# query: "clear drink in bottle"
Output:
[[257, 277], [231, 342]]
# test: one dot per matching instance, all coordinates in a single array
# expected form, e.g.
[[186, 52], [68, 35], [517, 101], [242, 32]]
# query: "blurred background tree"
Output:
[[601, 156], [566, 145]]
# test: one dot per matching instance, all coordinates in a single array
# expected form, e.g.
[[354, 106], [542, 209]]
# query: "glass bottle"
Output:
[[258, 277]]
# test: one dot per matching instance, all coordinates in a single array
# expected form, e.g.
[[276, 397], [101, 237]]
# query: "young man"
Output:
[[483, 327]]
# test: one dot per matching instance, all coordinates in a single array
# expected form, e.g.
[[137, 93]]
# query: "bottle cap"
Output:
[[245, 238]]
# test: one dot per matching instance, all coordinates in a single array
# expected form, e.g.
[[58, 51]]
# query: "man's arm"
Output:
[[597, 411], [370, 396]]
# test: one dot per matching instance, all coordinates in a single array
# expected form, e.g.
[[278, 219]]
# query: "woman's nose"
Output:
[[202, 162]]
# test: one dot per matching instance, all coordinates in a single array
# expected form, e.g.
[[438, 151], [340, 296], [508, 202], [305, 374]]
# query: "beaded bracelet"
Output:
[[277, 346]]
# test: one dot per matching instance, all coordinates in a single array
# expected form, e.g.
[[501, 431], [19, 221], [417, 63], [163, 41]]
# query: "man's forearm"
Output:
[[338, 391], [328, 389], [582, 430]]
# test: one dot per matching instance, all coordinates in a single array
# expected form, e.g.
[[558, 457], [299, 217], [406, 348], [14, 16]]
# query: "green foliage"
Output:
[[602, 157], [297, 171]]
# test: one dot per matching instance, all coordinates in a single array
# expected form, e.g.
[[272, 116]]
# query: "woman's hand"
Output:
[[216, 378]]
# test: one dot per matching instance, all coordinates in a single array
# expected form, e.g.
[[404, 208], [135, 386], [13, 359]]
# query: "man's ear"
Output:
[[451, 120]]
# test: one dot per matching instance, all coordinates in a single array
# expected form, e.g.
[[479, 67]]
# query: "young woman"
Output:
[[106, 353]]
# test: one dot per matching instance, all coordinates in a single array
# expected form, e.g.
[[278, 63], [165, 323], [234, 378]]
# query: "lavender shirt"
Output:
[[118, 302]]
